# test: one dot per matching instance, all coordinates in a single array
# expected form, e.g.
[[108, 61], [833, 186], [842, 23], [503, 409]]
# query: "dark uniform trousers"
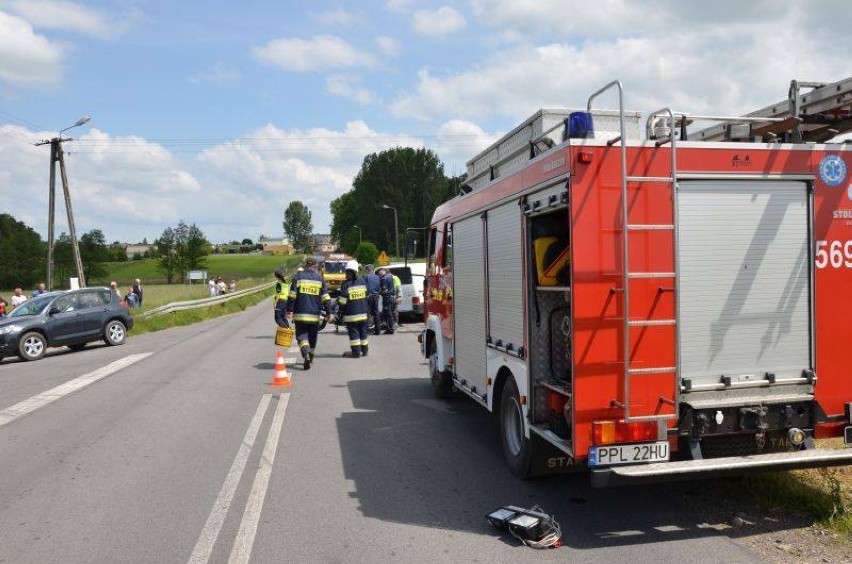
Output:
[[306, 336], [359, 332]]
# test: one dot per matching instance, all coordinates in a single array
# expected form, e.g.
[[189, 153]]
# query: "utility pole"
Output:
[[395, 226], [58, 155]]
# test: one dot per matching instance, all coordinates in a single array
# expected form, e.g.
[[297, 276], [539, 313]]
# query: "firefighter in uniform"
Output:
[[397, 299], [306, 305], [373, 289], [355, 309], [282, 292], [388, 298]]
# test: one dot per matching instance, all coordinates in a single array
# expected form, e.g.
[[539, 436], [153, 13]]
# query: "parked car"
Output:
[[412, 277], [72, 319]]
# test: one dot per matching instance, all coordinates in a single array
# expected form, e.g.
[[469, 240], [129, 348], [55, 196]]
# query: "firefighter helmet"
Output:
[[352, 265]]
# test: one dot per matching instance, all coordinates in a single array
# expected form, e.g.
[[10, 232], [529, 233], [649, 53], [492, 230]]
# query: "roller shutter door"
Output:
[[505, 275], [743, 279], [469, 300]]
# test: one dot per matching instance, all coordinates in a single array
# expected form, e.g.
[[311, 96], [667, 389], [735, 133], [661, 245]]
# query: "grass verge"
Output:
[[822, 493], [188, 317]]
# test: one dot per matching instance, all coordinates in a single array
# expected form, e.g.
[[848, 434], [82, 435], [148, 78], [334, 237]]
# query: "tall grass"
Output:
[[822, 493], [188, 317]]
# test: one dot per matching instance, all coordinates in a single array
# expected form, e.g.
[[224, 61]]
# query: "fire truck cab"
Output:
[[653, 308]]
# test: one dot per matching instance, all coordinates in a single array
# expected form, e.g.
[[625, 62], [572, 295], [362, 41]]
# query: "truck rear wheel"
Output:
[[442, 383], [517, 448]]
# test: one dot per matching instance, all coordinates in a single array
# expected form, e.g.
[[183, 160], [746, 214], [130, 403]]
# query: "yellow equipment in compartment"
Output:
[[548, 273]]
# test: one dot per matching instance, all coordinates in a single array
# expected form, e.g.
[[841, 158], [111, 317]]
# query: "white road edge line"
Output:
[[241, 551], [210, 532], [40, 400]]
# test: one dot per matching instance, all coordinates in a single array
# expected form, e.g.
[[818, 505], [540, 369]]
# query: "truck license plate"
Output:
[[629, 454]]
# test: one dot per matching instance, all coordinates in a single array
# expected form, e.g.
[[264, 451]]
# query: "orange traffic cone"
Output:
[[282, 377]]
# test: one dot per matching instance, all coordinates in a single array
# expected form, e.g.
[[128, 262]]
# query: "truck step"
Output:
[[651, 322], [652, 370], [560, 386], [650, 274], [552, 438], [710, 467], [649, 227], [668, 179]]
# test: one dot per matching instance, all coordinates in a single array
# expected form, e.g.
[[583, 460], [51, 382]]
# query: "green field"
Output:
[[229, 267]]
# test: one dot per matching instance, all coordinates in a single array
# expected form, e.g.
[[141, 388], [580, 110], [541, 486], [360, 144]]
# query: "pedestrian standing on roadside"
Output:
[[211, 287], [232, 287], [307, 303], [354, 309], [373, 288], [2, 308], [114, 287], [18, 298], [40, 289], [220, 286], [136, 290]]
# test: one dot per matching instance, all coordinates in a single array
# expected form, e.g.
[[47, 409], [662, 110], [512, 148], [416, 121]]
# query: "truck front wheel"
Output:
[[442, 383], [517, 448]]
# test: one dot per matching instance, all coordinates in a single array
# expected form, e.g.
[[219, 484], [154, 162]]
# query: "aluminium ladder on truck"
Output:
[[818, 115]]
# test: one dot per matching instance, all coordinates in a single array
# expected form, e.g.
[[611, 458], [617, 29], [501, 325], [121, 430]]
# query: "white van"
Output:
[[412, 277]]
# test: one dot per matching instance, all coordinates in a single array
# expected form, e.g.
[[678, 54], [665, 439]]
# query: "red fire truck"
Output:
[[659, 308]]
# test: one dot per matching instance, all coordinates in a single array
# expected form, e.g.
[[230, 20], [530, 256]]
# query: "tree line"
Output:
[[23, 254], [410, 180]]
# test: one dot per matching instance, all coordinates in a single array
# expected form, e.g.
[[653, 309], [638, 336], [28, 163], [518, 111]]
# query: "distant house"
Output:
[[275, 245], [133, 249], [323, 243]]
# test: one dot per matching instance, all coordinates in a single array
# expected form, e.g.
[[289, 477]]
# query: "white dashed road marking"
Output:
[[241, 551], [207, 538], [45, 398]]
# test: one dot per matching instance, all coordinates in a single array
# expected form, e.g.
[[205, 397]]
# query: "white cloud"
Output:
[[731, 68], [387, 45], [218, 72], [71, 16], [347, 87], [27, 58], [132, 188], [339, 18], [322, 52], [398, 5], [458, 140], [442, 21]]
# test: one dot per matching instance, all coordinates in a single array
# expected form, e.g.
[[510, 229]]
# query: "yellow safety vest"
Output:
[[281, 291]]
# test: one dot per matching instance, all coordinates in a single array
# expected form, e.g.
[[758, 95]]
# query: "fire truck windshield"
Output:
[[334, 267]]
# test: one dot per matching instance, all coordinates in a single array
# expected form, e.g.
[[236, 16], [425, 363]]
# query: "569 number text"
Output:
[[835, 254]]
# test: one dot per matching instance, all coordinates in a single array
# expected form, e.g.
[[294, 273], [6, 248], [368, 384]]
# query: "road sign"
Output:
[[383, 259]]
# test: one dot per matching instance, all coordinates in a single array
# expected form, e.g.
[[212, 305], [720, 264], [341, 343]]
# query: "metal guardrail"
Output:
[[204, 302]]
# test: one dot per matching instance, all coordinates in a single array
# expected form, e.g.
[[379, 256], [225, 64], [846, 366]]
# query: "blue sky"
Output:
[[220, 113]]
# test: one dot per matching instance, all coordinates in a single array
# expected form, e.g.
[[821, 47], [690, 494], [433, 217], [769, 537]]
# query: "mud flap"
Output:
[[547, 459]]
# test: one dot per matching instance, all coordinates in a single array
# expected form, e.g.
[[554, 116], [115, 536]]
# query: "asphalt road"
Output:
[[177, 457]]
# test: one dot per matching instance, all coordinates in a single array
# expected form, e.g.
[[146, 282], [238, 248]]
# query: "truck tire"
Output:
[[517, 448], [442, 381]]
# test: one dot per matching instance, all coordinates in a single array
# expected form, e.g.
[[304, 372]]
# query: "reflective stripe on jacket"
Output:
[[307, 297], [353, 301]]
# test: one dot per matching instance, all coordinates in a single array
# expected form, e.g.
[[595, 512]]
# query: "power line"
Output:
[[21, 121]]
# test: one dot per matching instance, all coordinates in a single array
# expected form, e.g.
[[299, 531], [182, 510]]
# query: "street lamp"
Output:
[[57, 155], [359, 233], [395, 226]]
